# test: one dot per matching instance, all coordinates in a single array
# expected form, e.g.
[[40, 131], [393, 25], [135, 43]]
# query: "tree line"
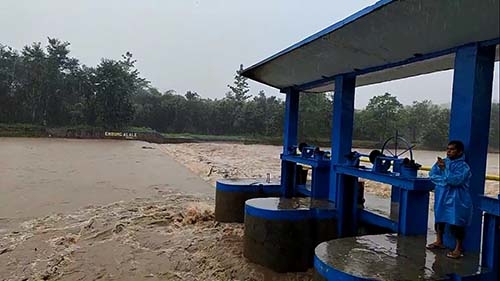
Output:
[[46, 86]]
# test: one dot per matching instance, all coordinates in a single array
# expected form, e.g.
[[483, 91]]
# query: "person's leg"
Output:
[[458, 233], [438, 244], [440, 232]]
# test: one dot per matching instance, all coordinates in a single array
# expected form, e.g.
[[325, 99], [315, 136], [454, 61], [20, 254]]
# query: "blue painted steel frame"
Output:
[[289, 139], [472, 87], [320, 167], [343, 188], [490, 205], [414, 199], [331, 274], [378, 220], [420, 184], [469, 122], [344, 182], [311, 162], [471, 94], [490, 255]]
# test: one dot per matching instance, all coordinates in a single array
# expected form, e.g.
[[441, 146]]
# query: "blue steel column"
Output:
[[490, 253], [289, 139], [469, 122], [319, 183], [413, 212], [491, 244], [342, 188]]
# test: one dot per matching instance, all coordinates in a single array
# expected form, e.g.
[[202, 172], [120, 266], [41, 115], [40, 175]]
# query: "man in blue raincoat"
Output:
[[452, 201]]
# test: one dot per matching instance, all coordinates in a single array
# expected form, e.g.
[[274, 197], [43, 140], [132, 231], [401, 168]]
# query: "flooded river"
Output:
[[114, 210], [42, 176]]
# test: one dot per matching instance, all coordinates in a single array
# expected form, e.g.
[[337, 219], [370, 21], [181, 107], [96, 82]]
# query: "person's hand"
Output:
[[440, 163]]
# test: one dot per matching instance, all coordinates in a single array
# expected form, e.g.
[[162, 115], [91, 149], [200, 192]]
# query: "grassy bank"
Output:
[[22, 130], [223, 138], [29, 130]]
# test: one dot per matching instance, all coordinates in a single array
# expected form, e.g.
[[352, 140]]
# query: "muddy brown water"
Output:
[[112, 210], [42, 176]]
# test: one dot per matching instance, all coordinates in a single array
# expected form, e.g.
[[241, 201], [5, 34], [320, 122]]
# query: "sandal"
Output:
[[455, 254], [435, 246]]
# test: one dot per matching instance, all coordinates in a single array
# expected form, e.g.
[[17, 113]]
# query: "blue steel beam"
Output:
[[491, 244], [378, 220], [342, 187], [289, 139], [470, 122], [413, 212], [421, 184], [491, 205]]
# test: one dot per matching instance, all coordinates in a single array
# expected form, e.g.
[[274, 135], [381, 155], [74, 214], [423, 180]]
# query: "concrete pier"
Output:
[[231, 194], [281, 233]]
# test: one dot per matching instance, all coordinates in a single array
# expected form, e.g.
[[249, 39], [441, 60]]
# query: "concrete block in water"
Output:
[[281, 233], [231, 194]]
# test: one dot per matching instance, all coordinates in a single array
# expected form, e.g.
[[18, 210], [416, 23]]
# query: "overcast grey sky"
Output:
[[196, 45]]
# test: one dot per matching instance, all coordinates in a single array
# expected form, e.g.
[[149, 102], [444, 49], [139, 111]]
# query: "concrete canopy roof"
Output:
[[389, 40]]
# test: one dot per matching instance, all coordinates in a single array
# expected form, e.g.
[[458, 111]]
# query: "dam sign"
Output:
[[125, 135]]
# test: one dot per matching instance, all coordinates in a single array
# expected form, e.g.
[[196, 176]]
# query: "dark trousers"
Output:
[[458, 232]]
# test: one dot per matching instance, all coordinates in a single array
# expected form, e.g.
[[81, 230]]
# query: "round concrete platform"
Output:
[[281, 233], [231, 194], [388, 257]]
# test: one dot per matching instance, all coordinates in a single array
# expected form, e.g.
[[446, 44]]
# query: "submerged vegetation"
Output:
[[44, 87]]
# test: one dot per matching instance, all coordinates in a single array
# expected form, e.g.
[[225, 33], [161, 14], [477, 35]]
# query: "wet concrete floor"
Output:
[[393, 257]]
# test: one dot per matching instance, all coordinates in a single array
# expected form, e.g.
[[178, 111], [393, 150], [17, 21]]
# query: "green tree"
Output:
[[32, 94], [315, 116], [382, 116], [435, 135], [361, 131], [115, 83], [240, 89], [60, 97], [234, 104], [415, 119], [8, 60]]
